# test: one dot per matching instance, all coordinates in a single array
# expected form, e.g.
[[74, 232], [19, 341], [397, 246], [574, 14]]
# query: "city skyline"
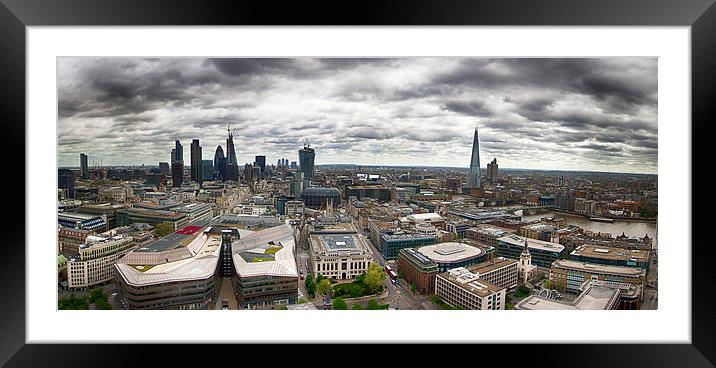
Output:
[[541, 114]]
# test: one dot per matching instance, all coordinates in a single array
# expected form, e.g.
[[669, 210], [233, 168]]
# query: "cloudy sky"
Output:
[[569, 114]]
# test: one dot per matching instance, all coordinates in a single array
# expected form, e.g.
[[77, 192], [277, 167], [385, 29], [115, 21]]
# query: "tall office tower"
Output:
[[278, 163], [84, 169], [164, 168], [207, 169], [232, 166], [196, 172], [66, 180], [473, 177], [294, 165], [248, 173], [261, 162], [177, 173], [219, 164], [306, 160], [179, 152], [492, 171], [177, 165], [173, 156]]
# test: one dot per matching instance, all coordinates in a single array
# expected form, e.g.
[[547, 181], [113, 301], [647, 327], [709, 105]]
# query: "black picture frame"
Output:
[[700, 15]]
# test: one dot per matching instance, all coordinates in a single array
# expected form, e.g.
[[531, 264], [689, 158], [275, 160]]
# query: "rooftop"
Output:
[[469, 281], [598, 268], [424, 217], [492, 265], [450, 252], [613, 253], [283, 262], [531, 243], [197, 260]]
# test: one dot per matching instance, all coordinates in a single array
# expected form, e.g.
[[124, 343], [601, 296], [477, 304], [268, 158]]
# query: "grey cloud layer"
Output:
[[586, 114]]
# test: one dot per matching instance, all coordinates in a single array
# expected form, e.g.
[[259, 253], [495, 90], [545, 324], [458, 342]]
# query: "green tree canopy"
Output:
[[373, 304], [164, 229], [374, 278], [324, 287], [339, 303]]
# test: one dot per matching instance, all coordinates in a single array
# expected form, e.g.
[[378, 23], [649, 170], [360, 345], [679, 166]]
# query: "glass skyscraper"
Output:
[[306, 161], [219, 164], [232, 166], [473, 177]]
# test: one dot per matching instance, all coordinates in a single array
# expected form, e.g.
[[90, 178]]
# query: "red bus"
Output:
[[390, 272]]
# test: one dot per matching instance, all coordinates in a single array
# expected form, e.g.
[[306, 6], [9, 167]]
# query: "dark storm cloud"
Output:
[[584, 114], [471, 108]]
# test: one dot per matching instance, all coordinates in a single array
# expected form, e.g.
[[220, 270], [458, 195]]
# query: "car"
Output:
[[393, 282]]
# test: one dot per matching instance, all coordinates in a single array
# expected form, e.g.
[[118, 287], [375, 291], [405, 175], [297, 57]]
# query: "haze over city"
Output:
[[564, 114]]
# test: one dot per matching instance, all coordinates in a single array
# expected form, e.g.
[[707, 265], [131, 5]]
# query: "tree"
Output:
[[373, 304], [324, 287], [72, 303], [310, 286], [339, 303], [164, 229], [374, 278], [436, 299], [413, 287], [357, 307]]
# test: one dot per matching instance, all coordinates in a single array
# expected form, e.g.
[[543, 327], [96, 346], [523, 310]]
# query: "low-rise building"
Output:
[[175, 272], [568, 275], [500, 271], [128, 216], [70, 239], [487, 234], [418, 270], [85, 221], [339, 252], [195, 211], [612, 256], [265, 274], [453, 255], [461, 288], [595, 295], [543, 253], [94, 262]]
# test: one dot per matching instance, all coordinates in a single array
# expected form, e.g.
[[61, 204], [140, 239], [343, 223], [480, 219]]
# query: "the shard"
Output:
[[473, 177]]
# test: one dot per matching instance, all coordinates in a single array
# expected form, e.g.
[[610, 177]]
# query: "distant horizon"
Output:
[[407, 167]]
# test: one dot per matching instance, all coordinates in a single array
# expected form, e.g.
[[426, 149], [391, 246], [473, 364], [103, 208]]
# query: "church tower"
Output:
[[525, 265]]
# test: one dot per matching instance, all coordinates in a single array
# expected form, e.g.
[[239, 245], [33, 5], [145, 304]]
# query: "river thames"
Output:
[[630, 228]]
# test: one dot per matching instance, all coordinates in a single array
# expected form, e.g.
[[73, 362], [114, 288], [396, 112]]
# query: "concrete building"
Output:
[[569, 276], [79, 220], [596, 295], [128, 216], [542, 253], [94, 262], [195, 211], [487, 234], [339, 252], [461, 288], [453, 255], [377, 192], [612, 256], [499, 271]]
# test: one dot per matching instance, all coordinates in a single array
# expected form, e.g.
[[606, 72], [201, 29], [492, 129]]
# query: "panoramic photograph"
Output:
[[411, 183]]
